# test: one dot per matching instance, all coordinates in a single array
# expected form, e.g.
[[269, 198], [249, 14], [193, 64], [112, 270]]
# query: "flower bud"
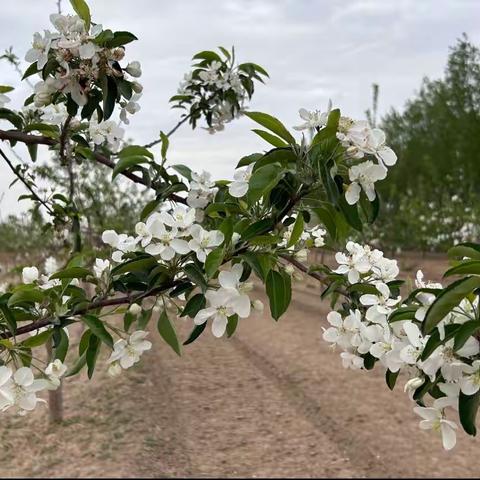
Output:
[[134, 69], [413, 384], [257, 306], [114, 369], [301, 255], [289, 269], [118, 54], [135, 309], [30, 274], [137, 87]]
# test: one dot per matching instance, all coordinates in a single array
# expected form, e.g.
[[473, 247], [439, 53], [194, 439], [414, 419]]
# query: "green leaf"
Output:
[[5, 89], [196, 275], [9, 317], [168, 333], [467, 410], [213, 261], [257, 228], [135, 150], [272, 124], [207, 55], [26, 295], [195, 333], [78, 365], [391, 378], [262, 181], [244, 161], [91, 354], [231, 325], [61, 343], [272, 139], [351, 213], [165, 144], [402, 313], [297, 231], [72, 272], [184, 171], [120, 38], [470, 250], [15, 119], [467, 267], [37, 340], [98, 329], [31, 70], [435, 341], [279, 291], [109, 91], [447, 300], [465, 331], [82, 10], [128, 162], [135, 265], [261, 263], [194, 305]]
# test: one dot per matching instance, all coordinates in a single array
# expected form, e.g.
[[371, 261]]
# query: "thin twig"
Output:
[[27, 185], [171, 132], [303, 268]]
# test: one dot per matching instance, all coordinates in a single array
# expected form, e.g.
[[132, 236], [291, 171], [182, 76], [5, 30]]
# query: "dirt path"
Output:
[[274, 401]]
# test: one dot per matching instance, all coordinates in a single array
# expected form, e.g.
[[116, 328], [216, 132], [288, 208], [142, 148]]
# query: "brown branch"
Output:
[[303, 268], [171, 132], [44, 322], [17, 136]]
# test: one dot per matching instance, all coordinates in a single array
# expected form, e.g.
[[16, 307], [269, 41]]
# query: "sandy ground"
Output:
[[273, 401]]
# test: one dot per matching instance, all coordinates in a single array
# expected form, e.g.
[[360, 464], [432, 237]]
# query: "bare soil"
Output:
[[273, 401]]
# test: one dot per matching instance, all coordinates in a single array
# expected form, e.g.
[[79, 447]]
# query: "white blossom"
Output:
[[239, 187], [128, 352], [363, 177], [203, 241], [30, 274]]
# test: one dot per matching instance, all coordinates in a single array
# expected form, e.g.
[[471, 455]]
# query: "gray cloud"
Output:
[[313, 49]]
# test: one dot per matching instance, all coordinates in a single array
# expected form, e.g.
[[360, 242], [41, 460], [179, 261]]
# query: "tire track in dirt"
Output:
[[376, 428], [365, 460], [232, 420]]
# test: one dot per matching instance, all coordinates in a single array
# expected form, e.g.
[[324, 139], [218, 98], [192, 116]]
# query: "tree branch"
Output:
[[17, 136], [27, 185], [171, 132], [303, 268], [44, 322]]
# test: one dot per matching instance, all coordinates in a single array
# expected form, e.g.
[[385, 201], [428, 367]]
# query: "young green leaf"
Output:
[[168, 333], [279, 291]]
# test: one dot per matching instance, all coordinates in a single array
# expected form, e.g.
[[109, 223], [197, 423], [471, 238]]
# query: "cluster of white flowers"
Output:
[[314, 237], [106, 132], [360, 140], [202, 190], [166, 234], [217, 76], [399, 345], [230, 299], [78, 62], [32, 275], [19, 389], [361, 263], [128, 352]]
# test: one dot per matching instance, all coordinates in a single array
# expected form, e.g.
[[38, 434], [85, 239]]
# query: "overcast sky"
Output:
[[314, 50]]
